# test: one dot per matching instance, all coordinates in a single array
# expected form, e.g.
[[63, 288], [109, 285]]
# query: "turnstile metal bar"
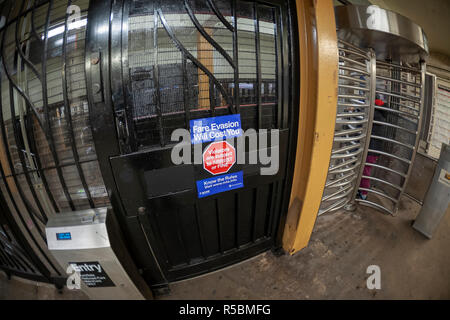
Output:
[[393, 141], [399, 81], [403, 113], [374, 205], [384, 195], [390, 155], [352, 113], [386, 168]]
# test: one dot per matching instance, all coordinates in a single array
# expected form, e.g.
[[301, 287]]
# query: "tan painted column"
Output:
[[205, 56], [318, 99]]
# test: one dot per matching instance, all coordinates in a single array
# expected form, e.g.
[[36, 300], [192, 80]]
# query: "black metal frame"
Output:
[[31, 243], [105, 118]]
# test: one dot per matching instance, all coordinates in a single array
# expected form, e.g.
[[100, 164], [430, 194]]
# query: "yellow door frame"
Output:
[[318, 98]]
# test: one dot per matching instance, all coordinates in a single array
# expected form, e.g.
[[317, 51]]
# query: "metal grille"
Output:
[[48, 160], [395, 133], [352, 124], [191, 59]]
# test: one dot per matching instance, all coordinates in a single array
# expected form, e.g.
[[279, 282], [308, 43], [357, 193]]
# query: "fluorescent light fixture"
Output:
[[74, 25]]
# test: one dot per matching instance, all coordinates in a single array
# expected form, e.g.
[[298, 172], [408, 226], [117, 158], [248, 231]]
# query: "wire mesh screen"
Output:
[[191, 59], [48, 159]]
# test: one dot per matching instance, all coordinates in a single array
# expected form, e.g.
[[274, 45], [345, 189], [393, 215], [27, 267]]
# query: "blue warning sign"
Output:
[[218, 184], [215, 128]]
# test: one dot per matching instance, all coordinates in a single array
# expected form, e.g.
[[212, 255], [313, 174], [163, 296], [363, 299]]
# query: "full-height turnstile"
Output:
[[381, 70]]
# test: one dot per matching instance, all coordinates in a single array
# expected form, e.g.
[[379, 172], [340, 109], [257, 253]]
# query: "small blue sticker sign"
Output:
[[218, 184], [215, 128]]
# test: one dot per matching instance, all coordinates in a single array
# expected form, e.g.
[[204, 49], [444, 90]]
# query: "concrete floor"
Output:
[[333, 266]]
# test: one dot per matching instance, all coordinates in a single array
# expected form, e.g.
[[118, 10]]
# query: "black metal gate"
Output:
[[155, 65]]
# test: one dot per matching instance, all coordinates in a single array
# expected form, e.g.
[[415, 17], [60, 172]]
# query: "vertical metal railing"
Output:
[[353, 122], [48, 163], [394, 136]]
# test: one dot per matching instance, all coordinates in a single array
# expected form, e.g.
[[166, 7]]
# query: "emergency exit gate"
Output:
[[90, 94]]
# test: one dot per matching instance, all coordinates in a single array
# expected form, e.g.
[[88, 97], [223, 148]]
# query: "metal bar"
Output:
[[352, 52], [353, 87], [340, 121], [206, 35], [374, 205], [403, 113], [180, 47], [384, 195], [330, 196], [372, 66], [49, 167], [187, 112], [156, 76], [43, 218], [42, 268], [331, 183], [37, 157], [400, 81], [349, 139], [419, 126], [352, 154], [279, 68], [351, 96], [18, 46], [219, 15], [348, 44], [235, 57], [353, 61], [68, 112], [385, 168], [342, 164], [218, 226], [391, 65], [333, 207], [393, 141], [354, 70], [395, 95], [28, 206], [405, 106], [258, 63], [346, 148], [212, 98], [356, 105], [200, 232], [399, 188], [127, 93], [350, 114], [46, 111], [335, 170], [394, 126], [345, 77], [390, 155], [347, 132]]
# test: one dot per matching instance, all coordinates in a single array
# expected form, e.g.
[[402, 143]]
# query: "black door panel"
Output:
[[206, 58]]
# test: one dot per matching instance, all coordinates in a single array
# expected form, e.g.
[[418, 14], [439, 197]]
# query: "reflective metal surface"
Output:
[[353, 122], [437, 199], [391, 35], [48, 162], [394, 136]]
